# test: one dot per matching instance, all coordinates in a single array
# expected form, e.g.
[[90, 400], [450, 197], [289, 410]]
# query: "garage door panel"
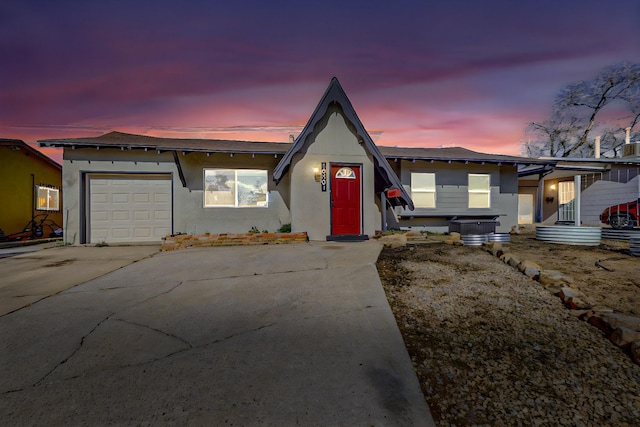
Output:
[[141, 197], [99, 198], [161, 198], [128, 209], [121, 233], [142, 215], [161, 215], [160, 232], [120, 198], [142, 232], [120, 215]]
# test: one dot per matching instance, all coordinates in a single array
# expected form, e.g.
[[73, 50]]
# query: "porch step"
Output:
[[347, 238]]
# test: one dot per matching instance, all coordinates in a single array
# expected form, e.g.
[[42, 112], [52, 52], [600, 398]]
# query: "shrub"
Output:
[[286, 228]]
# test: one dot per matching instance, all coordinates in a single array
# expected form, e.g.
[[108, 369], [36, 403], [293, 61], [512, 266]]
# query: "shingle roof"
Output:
[[455, 154], [131, 141], [126, 140]]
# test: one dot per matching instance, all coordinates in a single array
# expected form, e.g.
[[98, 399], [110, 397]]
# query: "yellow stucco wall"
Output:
[[16, 186]]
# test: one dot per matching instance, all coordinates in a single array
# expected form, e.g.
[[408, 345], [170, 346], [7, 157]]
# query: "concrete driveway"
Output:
[[258, 335]]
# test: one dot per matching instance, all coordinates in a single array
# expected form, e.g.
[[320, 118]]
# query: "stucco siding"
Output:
[[452, 196], [17, 188], [189, 214], [333, 143]]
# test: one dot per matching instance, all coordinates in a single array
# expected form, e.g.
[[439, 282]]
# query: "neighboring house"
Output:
[[551, 191], [332, 182], [31, 185]]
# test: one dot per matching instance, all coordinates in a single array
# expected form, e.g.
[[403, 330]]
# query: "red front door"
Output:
[[345, 199]]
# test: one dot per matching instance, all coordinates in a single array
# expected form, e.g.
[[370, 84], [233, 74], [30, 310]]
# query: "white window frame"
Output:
[[421, 193], [479, 194], [47, 198], [232, 194]]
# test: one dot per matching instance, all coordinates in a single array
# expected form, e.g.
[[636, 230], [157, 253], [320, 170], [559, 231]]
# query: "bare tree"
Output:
[[604, 106]]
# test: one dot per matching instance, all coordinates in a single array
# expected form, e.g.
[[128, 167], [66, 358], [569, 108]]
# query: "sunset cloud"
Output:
[[423, 74]]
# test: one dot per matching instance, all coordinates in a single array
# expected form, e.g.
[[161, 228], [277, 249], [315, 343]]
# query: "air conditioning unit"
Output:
[[631, 150]]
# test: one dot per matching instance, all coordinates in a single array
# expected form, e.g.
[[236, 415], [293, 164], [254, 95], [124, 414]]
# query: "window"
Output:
[[566, 201], [479, 190], [47, 198], [346, 173], [423, 190], [235, 188]]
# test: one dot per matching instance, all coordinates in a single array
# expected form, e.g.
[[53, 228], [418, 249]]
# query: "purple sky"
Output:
[[423, 73]]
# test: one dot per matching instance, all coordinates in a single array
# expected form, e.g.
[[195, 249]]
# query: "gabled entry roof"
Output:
[[385, 177]]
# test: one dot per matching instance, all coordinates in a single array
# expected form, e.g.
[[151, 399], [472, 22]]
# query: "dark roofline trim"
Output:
[[335, 93], [466, 160], [170, 144], [279, 148], [160, 149]]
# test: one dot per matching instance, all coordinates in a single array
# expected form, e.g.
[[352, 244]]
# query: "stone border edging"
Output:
[[183, 241], [620, 329]]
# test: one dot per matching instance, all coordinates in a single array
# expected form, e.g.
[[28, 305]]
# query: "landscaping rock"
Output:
[[554, 278], [634, 350], [617, 320], [454, 242], [623, 336], [494, 248], [513, 262], [394, 240], [573, 298], [599, 309], [534, 273], [528, 264]]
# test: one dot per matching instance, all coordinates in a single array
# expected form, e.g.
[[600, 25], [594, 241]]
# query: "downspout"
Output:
[[176, 159], [577, 200], [383, 202], [33, 199], [540, 198]]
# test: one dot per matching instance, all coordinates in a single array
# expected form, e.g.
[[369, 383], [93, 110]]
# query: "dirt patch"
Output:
[[491, 346], [607, 274]]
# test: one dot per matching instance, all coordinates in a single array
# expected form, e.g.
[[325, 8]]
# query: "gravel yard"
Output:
[[493, 347]]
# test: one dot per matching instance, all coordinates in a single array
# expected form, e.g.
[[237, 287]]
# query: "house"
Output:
[[30, 189], [332, 182], [577, 190]]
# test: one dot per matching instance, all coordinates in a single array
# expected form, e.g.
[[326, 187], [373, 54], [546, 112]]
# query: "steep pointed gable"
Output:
[[385, 177]]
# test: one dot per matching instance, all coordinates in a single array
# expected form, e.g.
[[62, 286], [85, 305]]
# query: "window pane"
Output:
[[235, 188], [219, 187], [423, 181], [47, 198], [478, 182], [42, 198], [54, 197], [252, 188], [347, 173], [424, 199], [479, 200]]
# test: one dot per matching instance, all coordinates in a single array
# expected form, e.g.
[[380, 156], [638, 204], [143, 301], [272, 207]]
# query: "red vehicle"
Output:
[[624, 215]]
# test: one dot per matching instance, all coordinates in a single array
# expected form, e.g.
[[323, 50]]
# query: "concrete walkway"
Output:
[[271, 335]]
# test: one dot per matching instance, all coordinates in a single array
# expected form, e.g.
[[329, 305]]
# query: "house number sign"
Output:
[[323, 179]]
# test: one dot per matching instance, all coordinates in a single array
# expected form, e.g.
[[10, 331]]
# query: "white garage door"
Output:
[[129, 209]]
